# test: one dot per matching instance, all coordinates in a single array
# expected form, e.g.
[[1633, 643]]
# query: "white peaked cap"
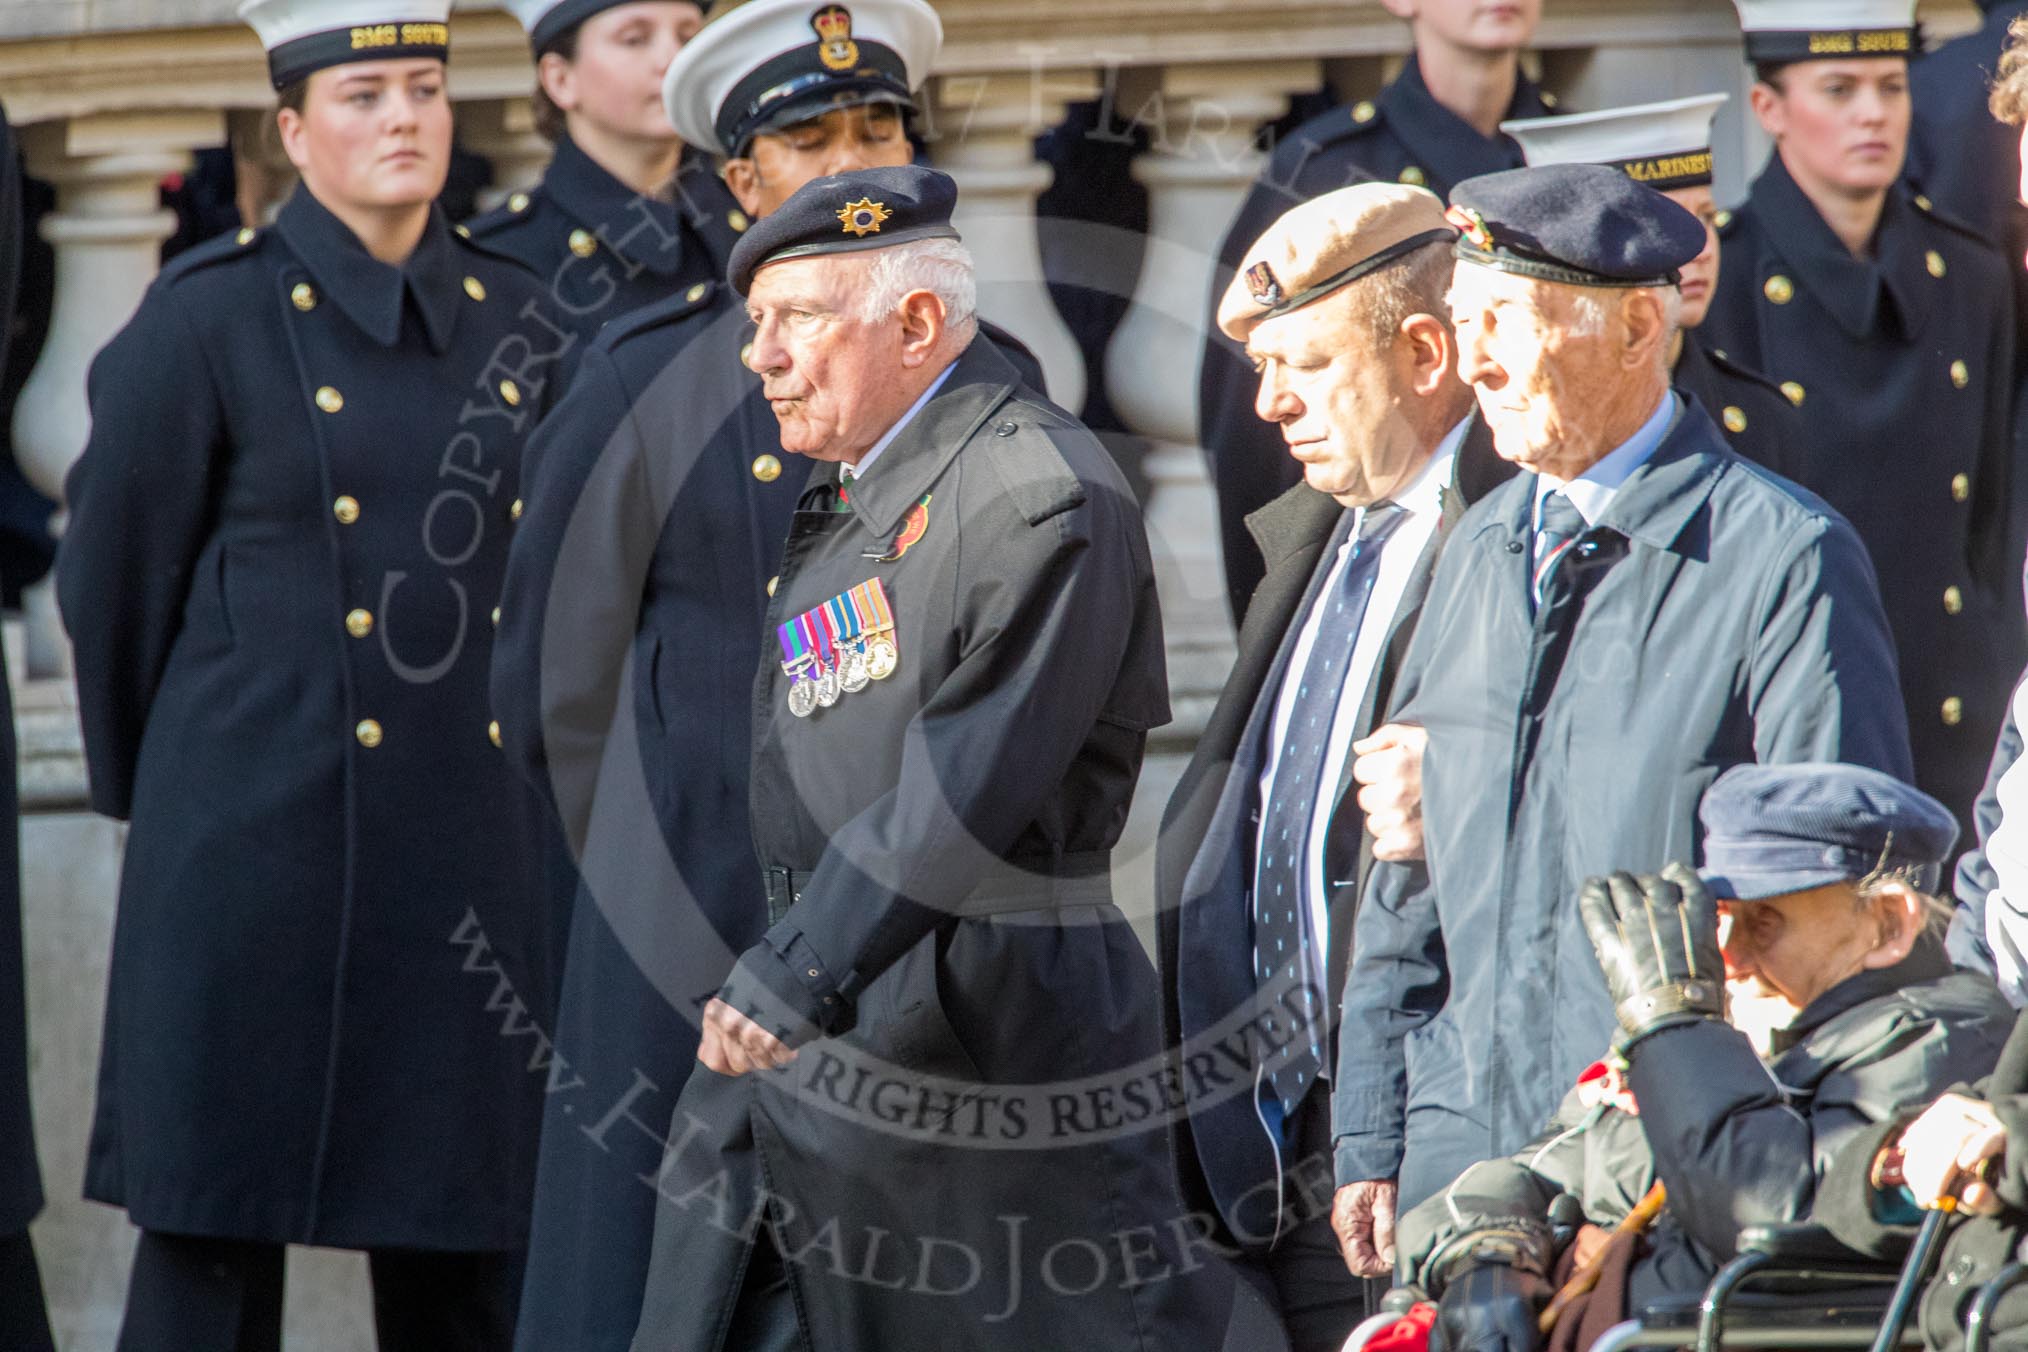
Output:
[[771, 61], [1664, 145]]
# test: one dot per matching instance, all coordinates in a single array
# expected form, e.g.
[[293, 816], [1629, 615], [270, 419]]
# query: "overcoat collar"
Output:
[[1891, 290], [1441, 140], [370, 292], [1658, 499], [980, 381], [1925, 962], [612, 211]]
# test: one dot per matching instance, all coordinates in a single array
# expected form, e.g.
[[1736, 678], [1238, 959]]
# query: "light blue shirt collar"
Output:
[[858, 471], [1593, 491]]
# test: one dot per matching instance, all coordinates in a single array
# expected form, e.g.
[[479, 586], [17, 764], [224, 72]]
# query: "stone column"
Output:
[[1202, 156], [107, 231], [503, 130], [981, 131]]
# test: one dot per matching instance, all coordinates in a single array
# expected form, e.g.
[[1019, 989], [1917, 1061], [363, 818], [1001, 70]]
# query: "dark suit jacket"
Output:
[[1204, 856]]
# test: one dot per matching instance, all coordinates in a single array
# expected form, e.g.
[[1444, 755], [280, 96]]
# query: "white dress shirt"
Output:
[[1421, 504]]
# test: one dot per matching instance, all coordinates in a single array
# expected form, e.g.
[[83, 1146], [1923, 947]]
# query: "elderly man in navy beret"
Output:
[[934, 1111], [1815, 899], [1607, 632]]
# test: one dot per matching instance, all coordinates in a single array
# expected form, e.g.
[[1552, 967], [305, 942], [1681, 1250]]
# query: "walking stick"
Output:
[[1586, 1277], [2010, 1076]]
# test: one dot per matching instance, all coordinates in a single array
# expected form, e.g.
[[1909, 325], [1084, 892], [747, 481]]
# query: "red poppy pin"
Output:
[[913, 527]]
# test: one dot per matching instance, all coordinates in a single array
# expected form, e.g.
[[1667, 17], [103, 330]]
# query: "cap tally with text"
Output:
[[548, 20], [303, 37], [848, 213], [1582, 224], [1826, 30], [1326, 243], [1770, 830], [1663, 145], [772, 63]]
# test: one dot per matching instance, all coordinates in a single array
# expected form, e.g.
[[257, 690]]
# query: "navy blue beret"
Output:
[[1585, 224], [1774, 829], [848, 213]]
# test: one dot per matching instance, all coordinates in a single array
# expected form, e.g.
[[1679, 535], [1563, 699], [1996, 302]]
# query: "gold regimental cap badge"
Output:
[[836, 48], [864, 217]]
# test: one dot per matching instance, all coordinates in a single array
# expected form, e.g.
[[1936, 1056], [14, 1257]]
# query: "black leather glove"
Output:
[[1490, 1307], [1657, 941]]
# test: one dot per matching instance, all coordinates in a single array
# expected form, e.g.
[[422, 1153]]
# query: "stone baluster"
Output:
[[107, 231], [1202, 156], [503, 130], [981, 131]]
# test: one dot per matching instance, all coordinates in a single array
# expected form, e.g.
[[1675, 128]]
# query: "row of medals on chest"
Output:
[[838, 648]]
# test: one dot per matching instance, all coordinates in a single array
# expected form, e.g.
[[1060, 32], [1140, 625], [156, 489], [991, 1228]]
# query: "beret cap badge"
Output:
[[864, 217], [1263, 285], [834, 31], [1472, 225]]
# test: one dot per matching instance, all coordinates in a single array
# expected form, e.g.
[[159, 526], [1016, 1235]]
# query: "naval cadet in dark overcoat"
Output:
[[287, 532], [1898, 349], [1404, 134], [1667, 146], [24, 1322], [658, 500], [963, 661], [649, 221]]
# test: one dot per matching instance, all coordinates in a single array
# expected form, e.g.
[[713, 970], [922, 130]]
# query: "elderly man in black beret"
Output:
[[934, 1112], [1606, 633], [1817, 902]]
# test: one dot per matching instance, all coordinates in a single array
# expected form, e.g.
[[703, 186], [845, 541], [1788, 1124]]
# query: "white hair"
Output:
[[942, 267], [1589, 313]]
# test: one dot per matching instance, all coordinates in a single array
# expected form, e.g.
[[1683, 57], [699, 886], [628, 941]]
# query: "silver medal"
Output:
[[802, 697], [853, 677]]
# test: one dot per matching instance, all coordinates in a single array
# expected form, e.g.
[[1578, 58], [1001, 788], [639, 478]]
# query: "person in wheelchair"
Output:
[[1815, 899], [1958, 1148]]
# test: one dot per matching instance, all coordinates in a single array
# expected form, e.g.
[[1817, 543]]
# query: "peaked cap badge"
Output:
[[834, 32]]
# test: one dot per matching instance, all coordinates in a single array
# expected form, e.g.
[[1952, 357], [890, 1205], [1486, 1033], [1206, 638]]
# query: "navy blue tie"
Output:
[[1282, 937]]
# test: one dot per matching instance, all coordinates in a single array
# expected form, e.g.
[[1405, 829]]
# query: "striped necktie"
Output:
[[1561, 526]]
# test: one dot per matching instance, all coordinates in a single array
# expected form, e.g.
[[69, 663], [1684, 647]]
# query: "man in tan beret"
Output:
[[1341, 307]]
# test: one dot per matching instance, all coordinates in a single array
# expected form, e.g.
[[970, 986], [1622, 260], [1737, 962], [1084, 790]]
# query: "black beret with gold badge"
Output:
[[849, 213]]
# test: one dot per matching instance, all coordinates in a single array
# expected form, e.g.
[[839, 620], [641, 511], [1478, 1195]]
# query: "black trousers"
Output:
[[189, 1294], [24, 1318], [1320, 1300]]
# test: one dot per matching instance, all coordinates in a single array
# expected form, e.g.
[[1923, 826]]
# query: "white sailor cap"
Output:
[[768, 63], [306, 36], [548, 20], [1664, 145], [1826, 30]]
